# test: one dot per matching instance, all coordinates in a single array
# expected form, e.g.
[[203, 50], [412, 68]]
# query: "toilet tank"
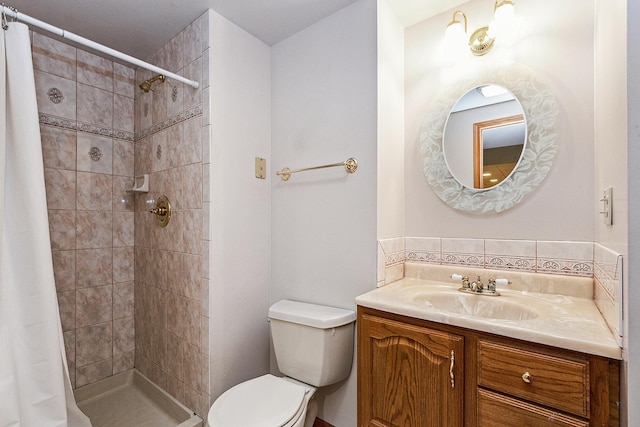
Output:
[[313, 343]]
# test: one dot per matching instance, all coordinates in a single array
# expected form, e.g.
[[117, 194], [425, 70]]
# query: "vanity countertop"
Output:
[[565, 321]]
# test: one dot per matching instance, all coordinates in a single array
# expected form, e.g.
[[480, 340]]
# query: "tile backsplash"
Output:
[[583, 259]]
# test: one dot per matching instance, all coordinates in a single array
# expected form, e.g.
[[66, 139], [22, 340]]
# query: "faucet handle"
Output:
[[463, 279], [491, 287], [503, 282]]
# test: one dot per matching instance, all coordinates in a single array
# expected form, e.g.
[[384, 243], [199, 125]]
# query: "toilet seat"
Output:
[[264, 401]]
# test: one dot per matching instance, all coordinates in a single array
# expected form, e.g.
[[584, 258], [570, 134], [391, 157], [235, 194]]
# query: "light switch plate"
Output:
[[607, 205], [261, 168]]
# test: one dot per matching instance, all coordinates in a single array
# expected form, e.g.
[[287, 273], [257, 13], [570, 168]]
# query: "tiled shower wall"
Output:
[[171, 293], [86, 110]]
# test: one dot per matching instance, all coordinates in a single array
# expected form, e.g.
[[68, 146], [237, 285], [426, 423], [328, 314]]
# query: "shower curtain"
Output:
[[35, 390]]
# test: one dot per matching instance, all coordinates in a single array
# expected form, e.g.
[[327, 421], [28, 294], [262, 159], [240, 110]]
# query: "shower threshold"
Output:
[[129, 399]]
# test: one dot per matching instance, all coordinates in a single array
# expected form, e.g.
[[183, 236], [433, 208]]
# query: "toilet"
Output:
[[313, 345]]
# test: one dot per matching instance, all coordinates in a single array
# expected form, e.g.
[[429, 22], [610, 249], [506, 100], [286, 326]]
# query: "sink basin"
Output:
[[475, 305]]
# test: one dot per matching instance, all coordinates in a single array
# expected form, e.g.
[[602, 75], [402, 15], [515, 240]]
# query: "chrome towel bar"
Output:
[[350, 165]]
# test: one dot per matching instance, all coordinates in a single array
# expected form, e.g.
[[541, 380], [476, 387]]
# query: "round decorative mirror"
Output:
[[484, 137], [453, 183]]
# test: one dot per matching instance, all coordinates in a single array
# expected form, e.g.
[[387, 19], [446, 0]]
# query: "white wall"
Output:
[[240, 208], [560, 52], [390, 123], [610, 133], [324, 222]]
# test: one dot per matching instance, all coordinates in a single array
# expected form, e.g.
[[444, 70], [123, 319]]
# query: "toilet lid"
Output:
[[262, 401]]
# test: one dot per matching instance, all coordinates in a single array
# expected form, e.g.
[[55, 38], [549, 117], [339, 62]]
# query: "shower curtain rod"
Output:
[[11, 12]]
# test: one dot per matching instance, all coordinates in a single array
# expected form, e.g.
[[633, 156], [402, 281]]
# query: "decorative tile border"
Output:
[[50, 120], [551, 257], [183, 116], [59, 122]]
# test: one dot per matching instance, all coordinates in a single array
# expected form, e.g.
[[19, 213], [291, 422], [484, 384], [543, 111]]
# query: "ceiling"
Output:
[[140, 27]]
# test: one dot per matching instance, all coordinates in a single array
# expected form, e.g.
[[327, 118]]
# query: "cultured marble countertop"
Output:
[[569, 322]]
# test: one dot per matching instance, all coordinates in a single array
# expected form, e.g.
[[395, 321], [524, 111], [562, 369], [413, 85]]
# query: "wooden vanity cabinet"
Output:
[[408, 375], [403, 368]]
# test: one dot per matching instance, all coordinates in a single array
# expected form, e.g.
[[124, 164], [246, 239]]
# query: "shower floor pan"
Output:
[[130, 399]]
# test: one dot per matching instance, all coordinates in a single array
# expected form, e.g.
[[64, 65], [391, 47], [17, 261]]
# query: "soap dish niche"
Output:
[[140, 184]]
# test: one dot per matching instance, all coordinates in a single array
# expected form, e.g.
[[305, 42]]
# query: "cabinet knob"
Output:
[[526, 377]]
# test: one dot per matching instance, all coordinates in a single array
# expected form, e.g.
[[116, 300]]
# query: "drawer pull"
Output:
[[526, 377]]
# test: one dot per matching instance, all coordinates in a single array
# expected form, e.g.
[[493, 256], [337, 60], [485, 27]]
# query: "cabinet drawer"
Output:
[[552, 381], [495, 410]]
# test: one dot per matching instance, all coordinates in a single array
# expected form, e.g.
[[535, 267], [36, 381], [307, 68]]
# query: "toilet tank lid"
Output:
[[317, 316]]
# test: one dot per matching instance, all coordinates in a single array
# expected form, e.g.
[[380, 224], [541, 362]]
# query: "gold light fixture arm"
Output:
[[456, 21], [482, 40], [350, 165]]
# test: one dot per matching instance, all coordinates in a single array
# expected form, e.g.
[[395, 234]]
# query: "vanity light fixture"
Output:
[[482, 40]]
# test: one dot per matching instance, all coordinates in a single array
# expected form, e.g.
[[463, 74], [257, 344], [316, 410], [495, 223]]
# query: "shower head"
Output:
[[146, 85]]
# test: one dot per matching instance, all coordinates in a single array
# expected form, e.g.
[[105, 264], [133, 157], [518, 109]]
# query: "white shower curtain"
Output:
[[34, 384]]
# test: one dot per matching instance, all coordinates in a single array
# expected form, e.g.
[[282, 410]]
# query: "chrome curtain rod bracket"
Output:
[[8, 11], [5, 22], [350, 165]]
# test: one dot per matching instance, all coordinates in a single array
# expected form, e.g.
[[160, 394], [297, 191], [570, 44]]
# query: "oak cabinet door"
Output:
[[408, 376]]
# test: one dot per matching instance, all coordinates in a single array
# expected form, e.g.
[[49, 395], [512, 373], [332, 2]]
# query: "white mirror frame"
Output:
[[541, 112]]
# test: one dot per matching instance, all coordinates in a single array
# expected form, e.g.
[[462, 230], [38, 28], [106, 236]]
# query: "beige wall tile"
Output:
[[94, 372], [94, 70], [94, 267], [53, 57], [64, 269], [94, 306], [62, 229], [123, 300], [93, 344], [55, 95], [95, 106], [58, 148], [94, 229], [94, 191], [61, 188]]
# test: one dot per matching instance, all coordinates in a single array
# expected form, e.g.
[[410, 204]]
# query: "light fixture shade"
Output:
[[455, 35], [455, 32], [503, 19]]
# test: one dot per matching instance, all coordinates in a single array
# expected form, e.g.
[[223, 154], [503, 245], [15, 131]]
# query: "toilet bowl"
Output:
[[265, 401], [313, 346]]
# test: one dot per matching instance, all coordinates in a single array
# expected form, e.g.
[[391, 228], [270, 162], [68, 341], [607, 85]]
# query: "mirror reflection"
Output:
[[484, 137]]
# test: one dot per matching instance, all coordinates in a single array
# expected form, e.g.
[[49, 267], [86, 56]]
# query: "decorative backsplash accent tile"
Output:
[[55, 95], [466, 252], [574, 258], [95, 154], [44, 83], [567, 258], [423, 249], [510, 254]]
